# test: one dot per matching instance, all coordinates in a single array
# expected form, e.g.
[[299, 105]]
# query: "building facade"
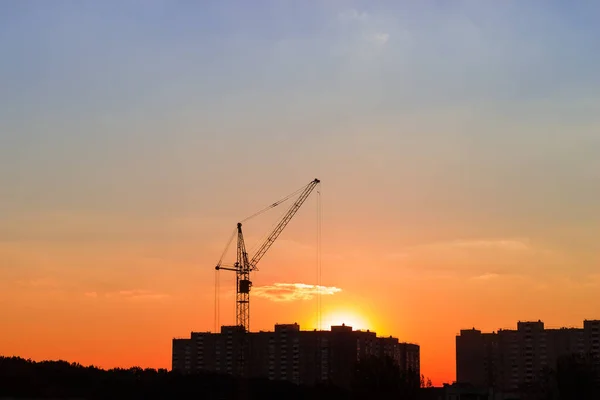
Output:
[[508, 359], [289, 354]]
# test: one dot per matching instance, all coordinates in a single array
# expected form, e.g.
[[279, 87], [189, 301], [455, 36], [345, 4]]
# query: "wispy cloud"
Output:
[[397, 256], [586, 281], [485, 277], [50, 284], [363, 32], [292, 291], [135, 294], [379, 38], [476, 258], [505, 244], [138, 294], [352, 15], [41, 283]]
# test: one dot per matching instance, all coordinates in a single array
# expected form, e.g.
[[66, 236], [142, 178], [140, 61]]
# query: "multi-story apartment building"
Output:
[[289, 354], [507, 359], [591, 337]]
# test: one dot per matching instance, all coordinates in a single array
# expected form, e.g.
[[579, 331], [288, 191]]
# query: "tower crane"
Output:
[[244, 264]]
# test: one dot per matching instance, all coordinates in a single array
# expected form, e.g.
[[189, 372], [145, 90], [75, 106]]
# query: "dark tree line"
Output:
[[20, 378]]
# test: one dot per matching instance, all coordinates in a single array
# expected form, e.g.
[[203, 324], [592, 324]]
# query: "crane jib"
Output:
[[244, 265]]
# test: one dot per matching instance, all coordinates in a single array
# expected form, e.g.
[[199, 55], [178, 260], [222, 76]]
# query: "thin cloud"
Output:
[[505, 244], [380, 38], [293, 291], [502, 244], [397, 256], [485, 277], [591, 280], [142, 294], [363, 35], [41, 283], [352, 15], [136, 294], [91, 294]]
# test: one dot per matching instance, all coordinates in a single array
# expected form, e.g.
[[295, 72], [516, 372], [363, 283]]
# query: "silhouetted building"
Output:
[[591, 337], [289, 354], [508, 359]]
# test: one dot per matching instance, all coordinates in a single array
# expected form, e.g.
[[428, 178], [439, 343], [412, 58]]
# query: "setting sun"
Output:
[[349, 318]]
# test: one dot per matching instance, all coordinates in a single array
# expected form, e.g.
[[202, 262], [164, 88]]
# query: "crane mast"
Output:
[[243, 265]]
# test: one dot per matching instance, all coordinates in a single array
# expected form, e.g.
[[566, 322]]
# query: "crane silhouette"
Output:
[[244, 265]]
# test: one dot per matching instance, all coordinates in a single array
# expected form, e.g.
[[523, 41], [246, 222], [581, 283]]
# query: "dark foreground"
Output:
[[23, 379], [575, 378]]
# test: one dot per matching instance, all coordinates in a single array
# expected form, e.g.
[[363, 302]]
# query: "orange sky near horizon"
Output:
[[125, 316], [457, 144]]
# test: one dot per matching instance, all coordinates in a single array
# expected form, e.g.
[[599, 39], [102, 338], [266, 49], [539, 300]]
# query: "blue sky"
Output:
[[87, 83]]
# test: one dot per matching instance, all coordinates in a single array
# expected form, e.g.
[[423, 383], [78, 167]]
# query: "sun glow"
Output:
[[349, 318]]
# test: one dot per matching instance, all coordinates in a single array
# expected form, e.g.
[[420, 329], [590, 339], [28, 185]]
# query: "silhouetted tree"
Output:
[[21, 378]]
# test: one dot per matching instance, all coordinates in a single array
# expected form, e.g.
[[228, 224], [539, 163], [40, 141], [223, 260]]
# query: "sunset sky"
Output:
[[457, 143]]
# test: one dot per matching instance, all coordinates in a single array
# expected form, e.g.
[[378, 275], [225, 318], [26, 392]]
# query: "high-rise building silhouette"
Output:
[[507, 359], [289, 354]]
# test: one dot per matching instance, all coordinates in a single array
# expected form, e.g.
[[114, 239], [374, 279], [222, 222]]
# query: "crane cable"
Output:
[[218, 283], [267, 233], [227, 246], [257, 243], [319, 263], [278, 202], [217, 306]]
